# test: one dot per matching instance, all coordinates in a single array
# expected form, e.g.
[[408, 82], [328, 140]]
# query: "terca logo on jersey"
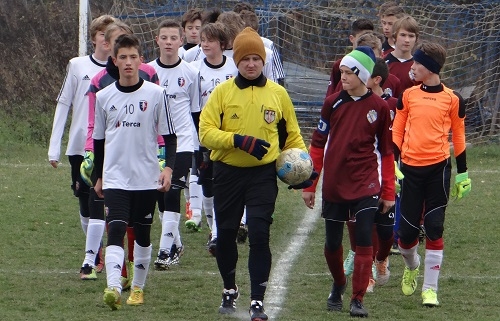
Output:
[[125, 123], [143, 105]]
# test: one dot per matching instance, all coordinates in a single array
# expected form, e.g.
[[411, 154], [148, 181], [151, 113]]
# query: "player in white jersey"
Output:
[[182, 85], [129, 115], [195, 53], [80, 71], [214, 69], [191, 25]]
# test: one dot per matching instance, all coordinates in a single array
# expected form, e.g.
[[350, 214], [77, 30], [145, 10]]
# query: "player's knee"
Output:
[[407, 233], [385, 232], [116, 232], [173, 200], [142, 234], [433, 230]]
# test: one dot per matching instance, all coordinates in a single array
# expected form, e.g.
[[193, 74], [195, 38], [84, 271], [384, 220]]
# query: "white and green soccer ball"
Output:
[[294, 166]]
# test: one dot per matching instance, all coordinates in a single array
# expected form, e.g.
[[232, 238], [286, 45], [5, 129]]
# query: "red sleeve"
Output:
[[388, 190], [317, 158]]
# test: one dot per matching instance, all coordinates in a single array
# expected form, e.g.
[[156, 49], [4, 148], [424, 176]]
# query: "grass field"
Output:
[[42, 247]]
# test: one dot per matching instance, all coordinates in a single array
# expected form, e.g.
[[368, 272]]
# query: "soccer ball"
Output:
[[294, 166]]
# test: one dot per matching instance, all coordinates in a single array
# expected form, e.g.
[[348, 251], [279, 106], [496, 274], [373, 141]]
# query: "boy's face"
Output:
[[350, 81], [113, 37], [387, 22], [128, 61], [211, 47], [99, 41], [420, 73], [192, 31], [169, 41], [405, 40]]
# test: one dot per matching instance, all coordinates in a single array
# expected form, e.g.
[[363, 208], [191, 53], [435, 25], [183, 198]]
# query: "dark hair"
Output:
[[127, 41], [210, 16], [380, 69], [240, 6], [395, 11], [250, 18], [190, 16], [169, 23], [361, 25], [216, 31], [232, 22], [433, 50]]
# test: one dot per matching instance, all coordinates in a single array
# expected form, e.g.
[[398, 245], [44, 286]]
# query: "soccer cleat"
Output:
[[383, 272], [189, 211], [374, 271], [125, 283], [228, 304], [334, 302], [87, 272], [99, 260], [175, 255], [257, 311], [212, 246], [409, 282], [395, 249], [357, 309], [429, 298], [371, 285], [242, 234], [161, 262], [193, 226], [136, 297], [112, 298], [349, 263]]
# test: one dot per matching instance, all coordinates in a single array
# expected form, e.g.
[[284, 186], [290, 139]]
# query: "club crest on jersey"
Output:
[[181, 81], [269, 116], [388, 91], [143, 105], [371, 116], [229, 76]]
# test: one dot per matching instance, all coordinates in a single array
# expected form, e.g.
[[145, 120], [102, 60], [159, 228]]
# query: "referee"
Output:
[[246, 121]]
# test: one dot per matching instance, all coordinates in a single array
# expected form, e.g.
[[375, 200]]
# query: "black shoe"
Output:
[[257, 311], [334, 302], [242, 234], [228, 304], [211, 246], [395, 249], [357, 309]]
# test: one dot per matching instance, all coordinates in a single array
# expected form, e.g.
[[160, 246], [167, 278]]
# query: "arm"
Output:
[[458, 134], [89, 143], [398, 126]]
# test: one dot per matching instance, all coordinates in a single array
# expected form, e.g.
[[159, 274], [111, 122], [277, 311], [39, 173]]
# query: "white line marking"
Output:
[[277, 286]]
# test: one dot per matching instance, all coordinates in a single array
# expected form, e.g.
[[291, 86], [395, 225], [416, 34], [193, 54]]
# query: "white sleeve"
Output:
[[99, 121], [268, 69], [163, 116], [194, 94], [60, 117]]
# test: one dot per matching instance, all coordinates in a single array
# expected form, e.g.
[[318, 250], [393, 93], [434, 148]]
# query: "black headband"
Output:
[[427, 61]]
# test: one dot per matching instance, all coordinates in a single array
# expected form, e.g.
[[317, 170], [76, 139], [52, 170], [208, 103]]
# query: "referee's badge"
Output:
[[269, 116], [143, 105], [371, 116]]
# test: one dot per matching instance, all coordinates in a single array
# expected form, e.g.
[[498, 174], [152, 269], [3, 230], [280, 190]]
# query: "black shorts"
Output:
[[77, 184], [386, 219], [130, 206], [346, 211], [237, 187]]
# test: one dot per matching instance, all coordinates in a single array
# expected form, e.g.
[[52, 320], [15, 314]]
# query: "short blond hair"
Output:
[[100, 24]]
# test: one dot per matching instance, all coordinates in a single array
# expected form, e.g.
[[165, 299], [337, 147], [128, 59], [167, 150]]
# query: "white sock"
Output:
[[177, 235], [186, 190], [244, 217], [195, 194], [95, 230], [84, 221], [432, 267], [208, 207], [142, 259], [114, 260], [410, 257], [169, 227]]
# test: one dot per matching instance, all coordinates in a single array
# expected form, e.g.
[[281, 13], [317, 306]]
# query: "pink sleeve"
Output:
[[161, 142], [89, 143]]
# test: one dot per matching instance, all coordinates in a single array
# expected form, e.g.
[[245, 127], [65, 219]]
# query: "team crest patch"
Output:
[[181, 81], [143, 105], [388, 91], [229, 76], [371, 116], [269, 116]]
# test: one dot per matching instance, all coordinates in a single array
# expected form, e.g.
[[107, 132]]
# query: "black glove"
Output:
[[307, 183], [254, 146]]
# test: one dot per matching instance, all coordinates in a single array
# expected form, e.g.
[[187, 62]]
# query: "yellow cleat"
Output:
[[136, 296], [429, 298], [112, 298], [409, 283]]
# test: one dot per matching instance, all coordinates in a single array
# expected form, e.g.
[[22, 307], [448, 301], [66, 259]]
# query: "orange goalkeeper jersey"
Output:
[[424, 119]]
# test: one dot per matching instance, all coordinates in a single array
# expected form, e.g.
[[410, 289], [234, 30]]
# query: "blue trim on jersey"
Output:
[[323, 127]]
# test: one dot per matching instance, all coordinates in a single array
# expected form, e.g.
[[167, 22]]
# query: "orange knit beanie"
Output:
[[248, 42]]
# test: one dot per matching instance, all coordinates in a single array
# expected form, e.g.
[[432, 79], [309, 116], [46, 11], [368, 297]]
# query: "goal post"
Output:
[[83, 20]]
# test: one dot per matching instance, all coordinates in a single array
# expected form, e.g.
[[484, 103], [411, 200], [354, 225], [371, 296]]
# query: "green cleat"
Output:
[[193, 226], [349, 263], [429, 298], [87, 272], [112, 298], [409, 282]]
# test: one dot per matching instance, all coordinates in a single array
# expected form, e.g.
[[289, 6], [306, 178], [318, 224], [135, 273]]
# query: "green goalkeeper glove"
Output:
[[87, 167], [462, 187], [399, 176]]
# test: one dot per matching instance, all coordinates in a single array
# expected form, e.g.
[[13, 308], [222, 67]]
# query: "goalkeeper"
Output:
[[424, 118]]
